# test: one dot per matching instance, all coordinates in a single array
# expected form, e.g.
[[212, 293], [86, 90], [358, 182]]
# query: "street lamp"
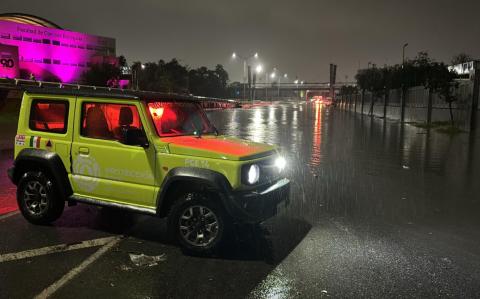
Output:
[[285, 76], [403, 53], [245, 61], [258, 70], [135, 75]]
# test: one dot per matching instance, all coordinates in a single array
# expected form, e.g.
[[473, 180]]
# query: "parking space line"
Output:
[[8, 215], [55, 249], [77, 270]]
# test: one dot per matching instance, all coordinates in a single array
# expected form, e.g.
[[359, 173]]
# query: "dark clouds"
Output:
[[299, 37]]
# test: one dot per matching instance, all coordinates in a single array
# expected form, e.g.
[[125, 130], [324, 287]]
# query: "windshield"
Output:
[[179, 118]]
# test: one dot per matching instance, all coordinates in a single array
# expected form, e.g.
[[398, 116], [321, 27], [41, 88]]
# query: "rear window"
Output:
[[49, 116]]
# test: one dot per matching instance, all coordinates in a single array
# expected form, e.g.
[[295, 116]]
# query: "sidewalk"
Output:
[[8, 202]]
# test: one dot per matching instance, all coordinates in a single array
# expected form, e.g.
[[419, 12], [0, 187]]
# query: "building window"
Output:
[[16, 37], [49, 116], [47, 60], [56, 61], [55, 43], [46, 41], [6, 35], [27, 39]]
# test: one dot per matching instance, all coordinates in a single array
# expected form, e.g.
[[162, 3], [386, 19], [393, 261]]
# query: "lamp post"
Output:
[[245, 62], [296, 84], [280, 82], [258, 71], [403, 53], [135, 75]]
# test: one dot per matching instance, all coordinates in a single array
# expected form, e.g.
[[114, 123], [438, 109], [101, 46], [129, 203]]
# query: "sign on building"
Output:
[[9, 62]]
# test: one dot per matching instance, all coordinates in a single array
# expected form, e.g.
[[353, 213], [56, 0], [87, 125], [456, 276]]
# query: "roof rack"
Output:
[[114, 93], [69, 89]]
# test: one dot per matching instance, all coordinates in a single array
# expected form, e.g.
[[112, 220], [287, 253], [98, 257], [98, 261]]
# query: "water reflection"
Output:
[[341, 163]]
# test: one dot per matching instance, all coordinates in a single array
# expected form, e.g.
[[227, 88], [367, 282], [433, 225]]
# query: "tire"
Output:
[[37, 198], [198, 223]]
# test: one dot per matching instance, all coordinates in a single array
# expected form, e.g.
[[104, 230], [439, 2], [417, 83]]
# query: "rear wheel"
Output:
[[37, 199], [198, 223]]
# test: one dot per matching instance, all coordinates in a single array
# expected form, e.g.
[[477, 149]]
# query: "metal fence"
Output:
[[415, 106]]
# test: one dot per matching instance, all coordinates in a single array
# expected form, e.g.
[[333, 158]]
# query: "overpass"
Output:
[[274, 90]]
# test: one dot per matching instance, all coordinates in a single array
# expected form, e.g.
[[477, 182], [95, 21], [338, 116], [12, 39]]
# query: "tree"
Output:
[[442, 81], [174, 77], [104, 74], [421, 71], [461, 58]]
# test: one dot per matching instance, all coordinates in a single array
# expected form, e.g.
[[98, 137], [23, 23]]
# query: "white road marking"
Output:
[[77, 270], [8, 215], [55, 249]]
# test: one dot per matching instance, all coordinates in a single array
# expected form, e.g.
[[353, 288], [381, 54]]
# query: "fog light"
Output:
[[253, 174]]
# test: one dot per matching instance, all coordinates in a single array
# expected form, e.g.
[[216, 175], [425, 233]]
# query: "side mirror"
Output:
[[135, 136]]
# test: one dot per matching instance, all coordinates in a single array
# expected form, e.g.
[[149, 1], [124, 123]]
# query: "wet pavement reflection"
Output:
[[363, 168], [394, 208]]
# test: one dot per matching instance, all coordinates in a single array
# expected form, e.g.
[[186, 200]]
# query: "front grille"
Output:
[[268, 171]]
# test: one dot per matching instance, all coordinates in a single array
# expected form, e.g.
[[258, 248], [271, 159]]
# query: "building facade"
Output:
[[34, 48]]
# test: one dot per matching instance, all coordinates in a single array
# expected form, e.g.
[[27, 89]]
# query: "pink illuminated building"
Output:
[[36, 48]]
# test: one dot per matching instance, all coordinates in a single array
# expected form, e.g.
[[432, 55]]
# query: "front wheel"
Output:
[[37, 199], [198, 223]]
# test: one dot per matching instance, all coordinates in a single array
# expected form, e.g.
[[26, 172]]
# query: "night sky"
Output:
[[300, 38]]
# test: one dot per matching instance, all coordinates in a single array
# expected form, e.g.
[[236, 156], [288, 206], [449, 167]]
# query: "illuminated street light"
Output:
[[143, 66], [296, 81], [279, 83], [259, 69], [245, 60], [272, 75]]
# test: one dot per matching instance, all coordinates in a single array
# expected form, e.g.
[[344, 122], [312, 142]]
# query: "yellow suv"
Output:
[[146, 152]]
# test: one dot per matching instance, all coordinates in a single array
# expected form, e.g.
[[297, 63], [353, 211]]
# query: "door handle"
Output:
[[83, 151]]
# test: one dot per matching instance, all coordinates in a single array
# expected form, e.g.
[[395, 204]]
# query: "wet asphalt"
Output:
[[377, 210]]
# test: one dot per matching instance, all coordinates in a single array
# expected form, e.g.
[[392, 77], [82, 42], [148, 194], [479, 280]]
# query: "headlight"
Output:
[[253, 174], [280, 163]]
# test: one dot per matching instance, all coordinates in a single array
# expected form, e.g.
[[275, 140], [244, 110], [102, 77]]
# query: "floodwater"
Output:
[[361, 168], [394, 210]]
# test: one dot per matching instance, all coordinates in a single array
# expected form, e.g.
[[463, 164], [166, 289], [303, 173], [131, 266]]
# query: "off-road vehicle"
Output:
[[146, 152]]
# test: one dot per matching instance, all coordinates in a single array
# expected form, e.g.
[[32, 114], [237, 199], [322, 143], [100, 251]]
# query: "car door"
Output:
[[104, 168]]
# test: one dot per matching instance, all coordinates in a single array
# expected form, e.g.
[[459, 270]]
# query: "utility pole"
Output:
[[475, 96], [403, 54], [404, 92]]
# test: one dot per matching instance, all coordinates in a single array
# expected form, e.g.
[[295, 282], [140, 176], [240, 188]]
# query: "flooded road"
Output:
[[395, 210], [377, 210], [366, 169]]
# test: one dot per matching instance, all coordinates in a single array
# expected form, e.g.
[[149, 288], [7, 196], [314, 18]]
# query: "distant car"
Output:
[[322, 100]]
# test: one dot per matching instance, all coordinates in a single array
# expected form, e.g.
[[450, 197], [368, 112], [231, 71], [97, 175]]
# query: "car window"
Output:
[[49, 116], [108, 121], [179, 118]]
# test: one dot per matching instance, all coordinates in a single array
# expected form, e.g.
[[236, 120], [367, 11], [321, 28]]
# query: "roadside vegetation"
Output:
[[162, 76], [420, 71]]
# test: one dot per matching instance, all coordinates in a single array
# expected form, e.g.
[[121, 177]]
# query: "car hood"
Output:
[[218, 147]]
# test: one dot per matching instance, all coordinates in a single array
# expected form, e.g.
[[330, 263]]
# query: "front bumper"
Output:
[[258, 205]]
